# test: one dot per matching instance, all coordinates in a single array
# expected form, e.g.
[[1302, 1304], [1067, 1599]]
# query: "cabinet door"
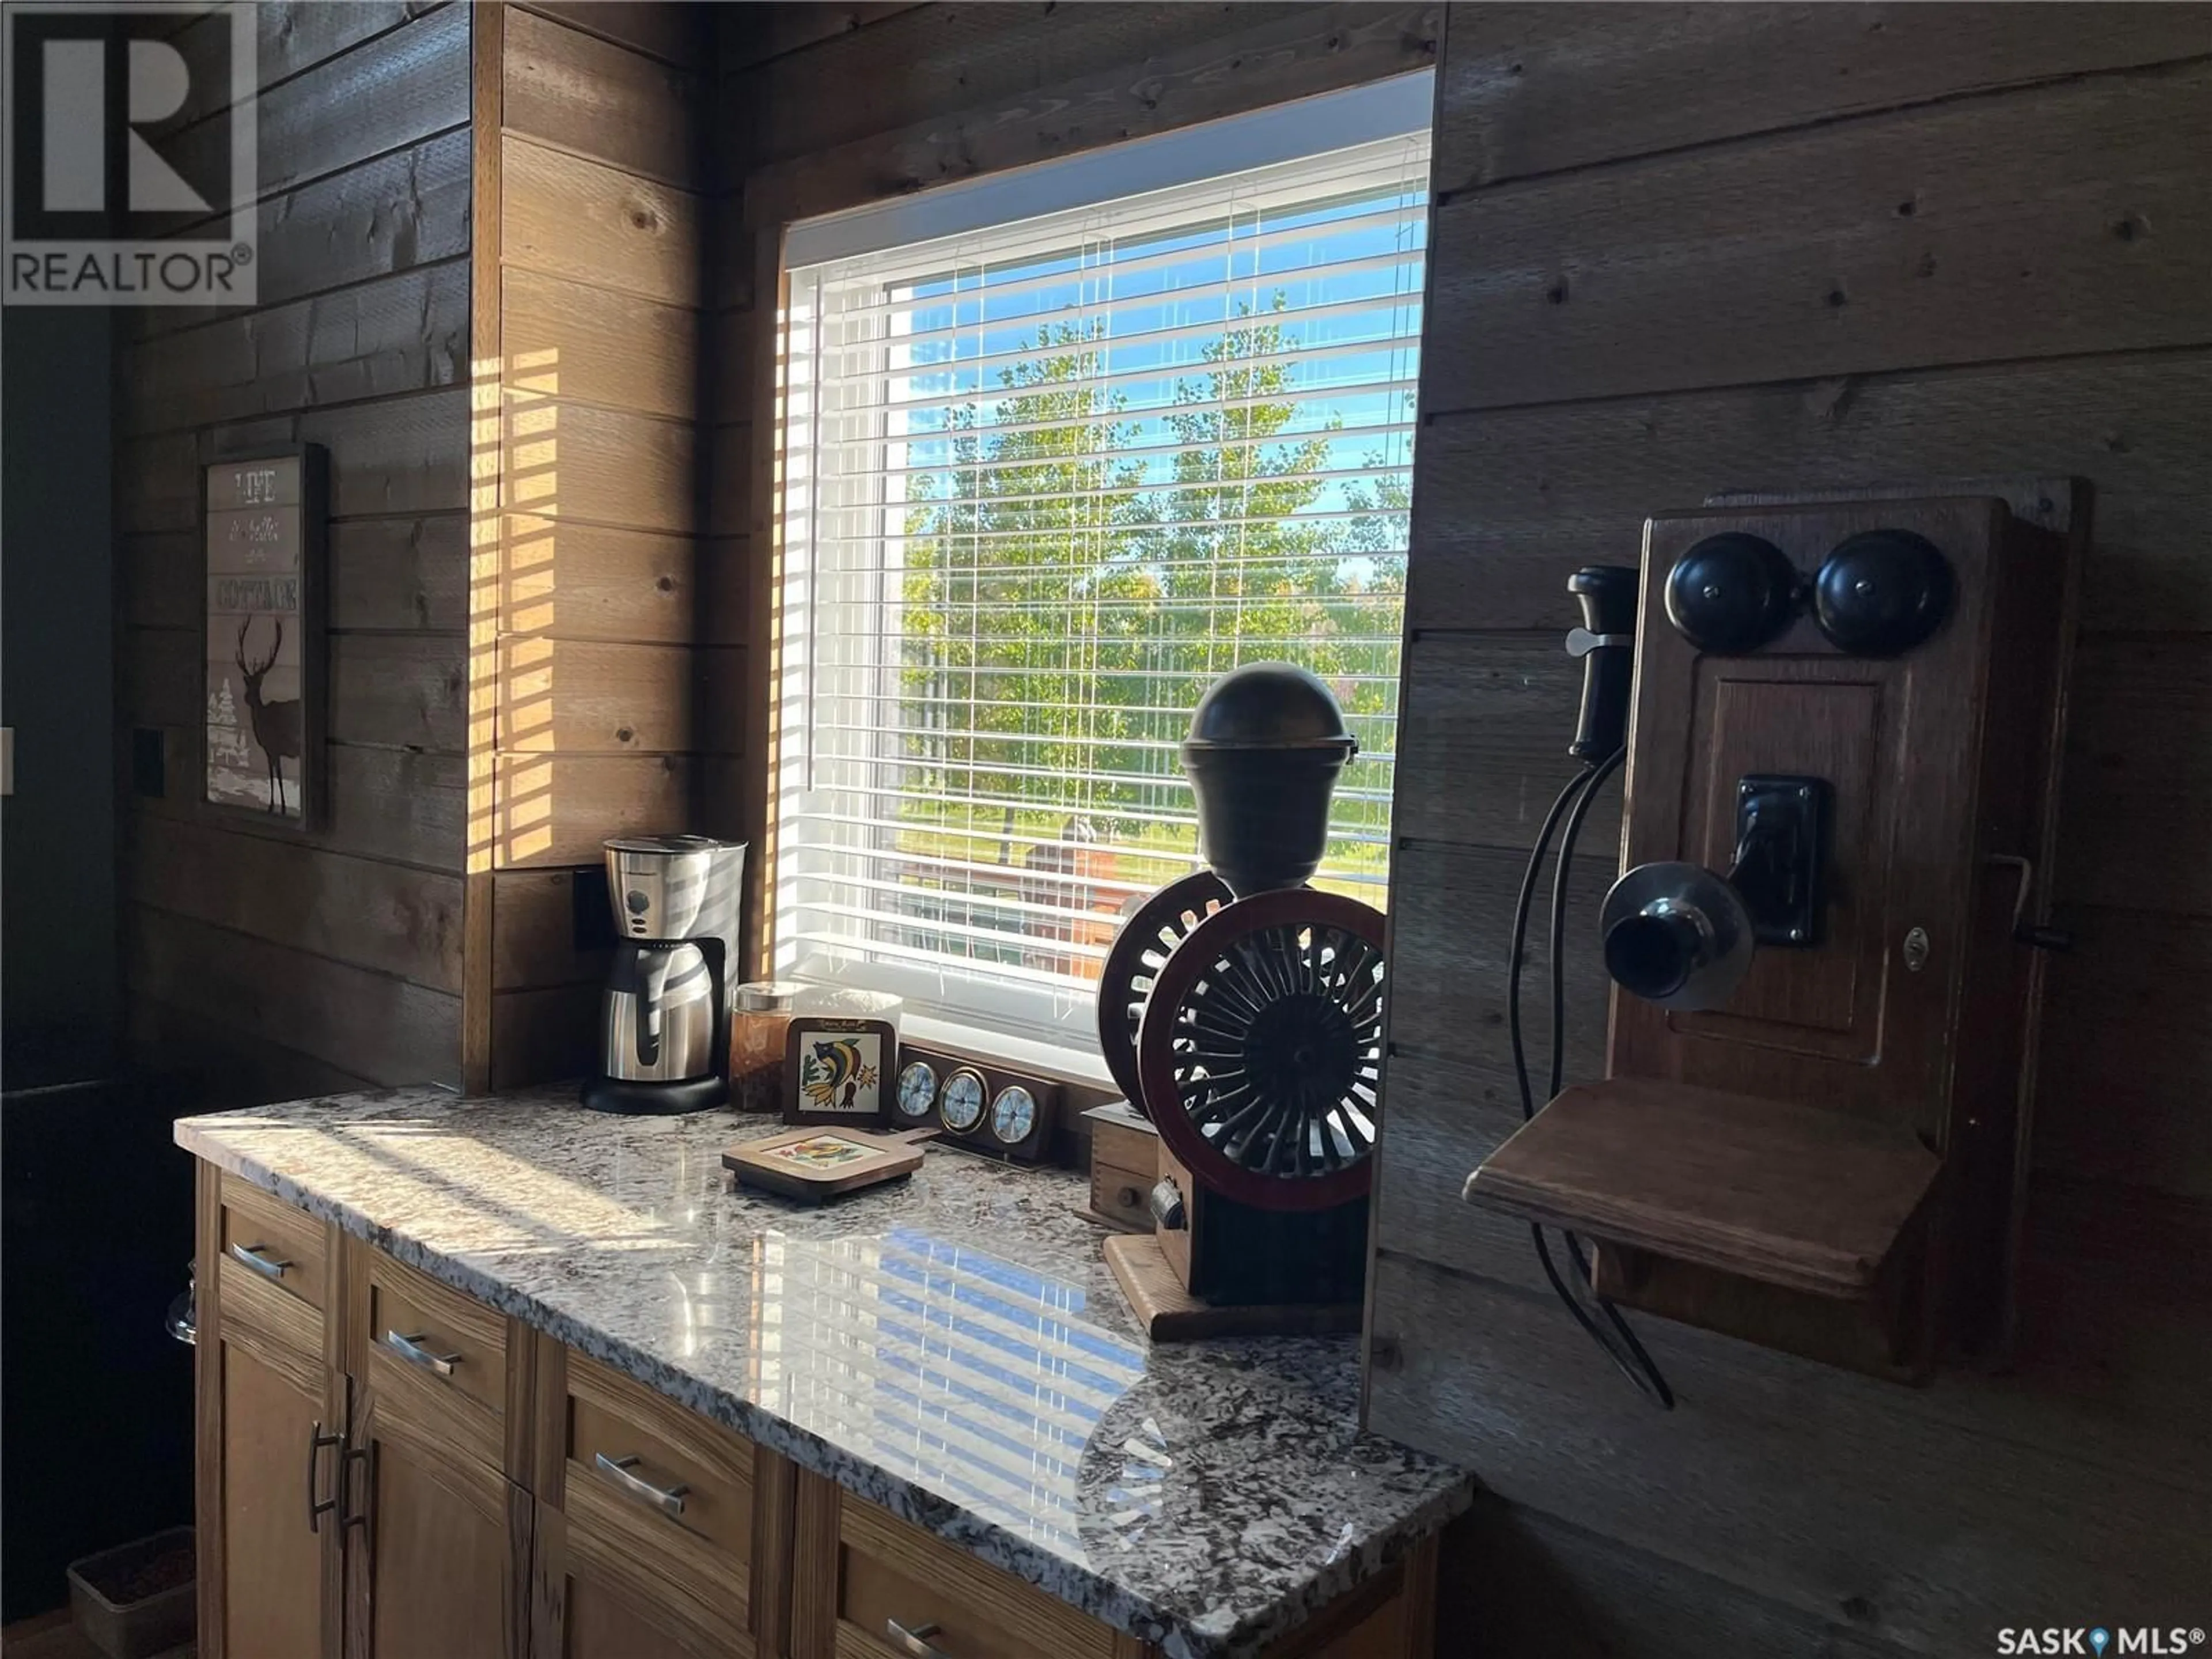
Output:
[[584, 1608], [440, 1564], [648, 1541], [270, 1405]]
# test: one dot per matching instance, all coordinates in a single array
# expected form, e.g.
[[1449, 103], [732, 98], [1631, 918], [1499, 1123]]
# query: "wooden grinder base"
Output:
[[1170, 1313]]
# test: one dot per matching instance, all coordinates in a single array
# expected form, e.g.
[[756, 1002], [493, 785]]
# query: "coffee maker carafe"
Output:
[[665, 1012]]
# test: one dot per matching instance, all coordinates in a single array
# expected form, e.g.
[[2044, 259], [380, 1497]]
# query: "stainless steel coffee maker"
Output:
[[664, 1013]]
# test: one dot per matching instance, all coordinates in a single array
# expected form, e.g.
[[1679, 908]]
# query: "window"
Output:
[[1060, 450]]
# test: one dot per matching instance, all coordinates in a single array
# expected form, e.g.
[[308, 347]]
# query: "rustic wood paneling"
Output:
[[671, 33], [560, 339], [389, 94], [291, 37], [602, 465], [1483, 731], [580, 94], [982, 92], [364, 912], [1511, 501], [407, 209], [1957, 233], [1543, 88], [369, 1024], [770, 30], [405, 333], [269, 961], [1687, 251], [586, 581], [2139, 774], [556, 809], [584, 697], [1734, 1485], [542, 1035], [590, 222], [534, 931], [407, 690], [2127, 1050]]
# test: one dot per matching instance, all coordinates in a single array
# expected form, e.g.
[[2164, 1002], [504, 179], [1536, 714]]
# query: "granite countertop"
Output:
[[952, 1348]]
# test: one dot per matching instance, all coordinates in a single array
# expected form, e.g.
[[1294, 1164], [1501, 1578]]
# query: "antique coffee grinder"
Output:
[[1242, 1011]]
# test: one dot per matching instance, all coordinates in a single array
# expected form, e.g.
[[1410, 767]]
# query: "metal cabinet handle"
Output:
[[267, 1266], [408, 1348], [914, 1642], [317, 1508], [669, 1500]]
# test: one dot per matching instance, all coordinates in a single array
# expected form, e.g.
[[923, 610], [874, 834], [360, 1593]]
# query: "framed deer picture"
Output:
[[265, 516]]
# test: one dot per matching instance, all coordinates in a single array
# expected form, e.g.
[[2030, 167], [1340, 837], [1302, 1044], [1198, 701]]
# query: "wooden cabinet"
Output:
[[389, 1470], [441, 1561], [866, 1585], [271, 1411], [654, 1524]]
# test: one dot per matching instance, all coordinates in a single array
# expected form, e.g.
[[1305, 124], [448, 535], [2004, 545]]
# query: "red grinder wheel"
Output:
[[1145, 941], [1260, 1048]]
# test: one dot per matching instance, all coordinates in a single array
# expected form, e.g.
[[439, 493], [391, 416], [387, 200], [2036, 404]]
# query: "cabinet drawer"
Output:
[[889, 1571], [274, 1243], [1122, 1195], [656, 1499], [436, 1359]]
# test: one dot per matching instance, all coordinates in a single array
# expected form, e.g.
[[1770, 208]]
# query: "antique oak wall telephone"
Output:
[[1840, 787]]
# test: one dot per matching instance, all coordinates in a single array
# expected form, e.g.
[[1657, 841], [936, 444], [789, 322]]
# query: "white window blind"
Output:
[[1044, 482]]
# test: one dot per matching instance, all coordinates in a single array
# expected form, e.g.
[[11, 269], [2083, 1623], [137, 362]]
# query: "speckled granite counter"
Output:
[[952, 1348]]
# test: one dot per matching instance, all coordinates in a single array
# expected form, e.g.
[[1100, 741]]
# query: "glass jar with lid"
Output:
[[761, 1014]]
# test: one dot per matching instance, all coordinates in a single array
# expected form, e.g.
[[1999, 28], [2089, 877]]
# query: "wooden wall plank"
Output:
[[556, 809], [673, 31], [607, 466], [1453, 1097], [396, 90], [570, 217], [388, 214], [534, 931], [221, 1067], [562, 339], [405, 573], [2139, 775], [1733, 1484], [762, 32], [585, 581], [407, 332], [921, 64], [399, 805], [291, 37], [1509, 503], [580, 697], [575, 92], [369, 1025], [406, 690], [401, 455], [1536, 89], [543, 1035], [400, 573], [363, 912], [1953, 234], [2126, 1050], [1483, 729], [1166, 67]]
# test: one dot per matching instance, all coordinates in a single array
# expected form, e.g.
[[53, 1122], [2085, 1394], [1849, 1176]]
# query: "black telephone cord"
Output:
[[1616, 1340]]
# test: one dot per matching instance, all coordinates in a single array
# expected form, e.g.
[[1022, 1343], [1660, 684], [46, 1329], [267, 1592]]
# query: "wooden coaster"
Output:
[[1170, 1313], [816, 1165]]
